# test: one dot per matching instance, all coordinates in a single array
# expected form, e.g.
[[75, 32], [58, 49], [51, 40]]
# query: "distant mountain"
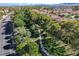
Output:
[[66, 4], [14, 4], [27, 4], [69, 4], [21, 4]]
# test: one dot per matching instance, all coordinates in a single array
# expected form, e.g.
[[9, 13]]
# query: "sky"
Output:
[[40, 1]]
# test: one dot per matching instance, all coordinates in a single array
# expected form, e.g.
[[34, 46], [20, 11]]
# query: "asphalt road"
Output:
[[6, 46]]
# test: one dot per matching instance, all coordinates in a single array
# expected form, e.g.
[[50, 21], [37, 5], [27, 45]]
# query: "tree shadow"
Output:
[[8, 29], [9, 41], [8, 37], [40, 48], [9, 46], [13, 54]]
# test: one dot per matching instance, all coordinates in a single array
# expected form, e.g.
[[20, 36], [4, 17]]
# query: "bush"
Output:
[[21, 48], [52, 46], [33, 48], [27, 47], [34, 30], [19, 23], [69, 32]]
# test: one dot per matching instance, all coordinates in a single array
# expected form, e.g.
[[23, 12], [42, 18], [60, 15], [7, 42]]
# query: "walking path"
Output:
[[5, 37]]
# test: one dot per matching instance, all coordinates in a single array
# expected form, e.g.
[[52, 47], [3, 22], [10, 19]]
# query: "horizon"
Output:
[[30, 4], [40, 1]]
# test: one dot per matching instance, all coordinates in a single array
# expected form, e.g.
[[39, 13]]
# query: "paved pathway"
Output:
[[5, 37]]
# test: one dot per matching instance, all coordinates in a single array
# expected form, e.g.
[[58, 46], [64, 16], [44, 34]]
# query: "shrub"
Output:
[[19, 23]]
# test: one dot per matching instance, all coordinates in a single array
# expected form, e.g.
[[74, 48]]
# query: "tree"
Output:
[[69, 32], [34, 30], [52, 46], [76, 16], [23, 32], [33, 48], [19, 23], [21, 48]]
